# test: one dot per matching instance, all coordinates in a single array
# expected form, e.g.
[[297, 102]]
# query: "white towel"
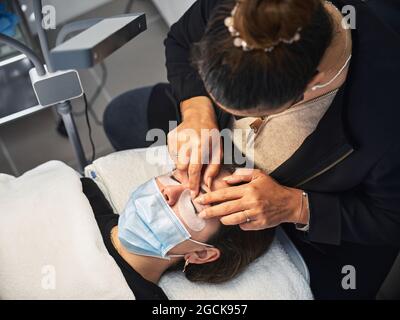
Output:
[[119, 173], [50, 244], [272, 276]]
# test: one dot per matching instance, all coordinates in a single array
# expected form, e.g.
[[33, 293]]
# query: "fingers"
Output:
[[182, 159], [179, 148], [182, 176], [236, 179], [190, 150], [222, 195], [239, 217], [214, 166], [195, 168], [243, 175], [258, 222], [194, 178], [252, 226], [245, 171], [210, 173], [200, 155], [222, 209]]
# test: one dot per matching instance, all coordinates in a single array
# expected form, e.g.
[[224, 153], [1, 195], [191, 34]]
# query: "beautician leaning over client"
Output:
[[322, 104]]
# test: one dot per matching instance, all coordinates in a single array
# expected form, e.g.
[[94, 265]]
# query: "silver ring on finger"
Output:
[[247, 217]]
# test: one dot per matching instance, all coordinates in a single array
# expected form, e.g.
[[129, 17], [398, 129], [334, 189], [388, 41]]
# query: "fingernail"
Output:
[[227, 178], [200, 199], [202, 215]]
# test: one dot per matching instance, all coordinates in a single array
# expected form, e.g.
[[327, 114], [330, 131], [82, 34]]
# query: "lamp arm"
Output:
[[37, 62], [37, 9]]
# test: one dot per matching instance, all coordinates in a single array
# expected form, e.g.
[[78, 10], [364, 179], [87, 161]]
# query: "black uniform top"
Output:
[[106, 220], [350, 165]]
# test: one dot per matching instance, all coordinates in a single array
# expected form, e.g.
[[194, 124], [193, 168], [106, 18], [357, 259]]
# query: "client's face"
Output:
[[174, 187]]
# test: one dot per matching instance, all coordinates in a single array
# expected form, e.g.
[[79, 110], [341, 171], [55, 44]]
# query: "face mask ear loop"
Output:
[[202, 243], [175, 256], [185, 266]]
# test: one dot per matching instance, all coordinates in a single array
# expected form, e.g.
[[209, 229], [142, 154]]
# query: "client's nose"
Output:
[[172, 193]]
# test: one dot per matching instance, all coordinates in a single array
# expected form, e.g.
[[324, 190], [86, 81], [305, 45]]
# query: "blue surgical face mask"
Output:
[[148, 226]]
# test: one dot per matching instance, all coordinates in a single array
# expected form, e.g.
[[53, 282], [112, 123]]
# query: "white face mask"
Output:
[[149, 227], [320, 86]]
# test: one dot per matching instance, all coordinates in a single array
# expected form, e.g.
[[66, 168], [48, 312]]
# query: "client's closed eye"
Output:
[[180, 177], [194, 207], [175, 176], [175, 179]]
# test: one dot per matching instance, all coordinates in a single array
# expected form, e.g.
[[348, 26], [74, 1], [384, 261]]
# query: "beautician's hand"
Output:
[[197, 141], [258, 198]]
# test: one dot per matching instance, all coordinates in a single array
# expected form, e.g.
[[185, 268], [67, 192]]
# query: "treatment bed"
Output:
[[51, 247]]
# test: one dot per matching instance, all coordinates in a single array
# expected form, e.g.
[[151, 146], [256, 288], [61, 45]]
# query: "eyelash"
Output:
[[176, 180], [194, 207], [191, 201], [173, 178]]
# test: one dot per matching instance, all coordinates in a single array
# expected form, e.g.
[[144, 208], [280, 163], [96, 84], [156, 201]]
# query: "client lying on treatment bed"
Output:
[[118, 233], [159, 230]]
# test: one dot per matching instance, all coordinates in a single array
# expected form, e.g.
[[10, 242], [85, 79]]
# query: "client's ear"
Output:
[[203, 256]]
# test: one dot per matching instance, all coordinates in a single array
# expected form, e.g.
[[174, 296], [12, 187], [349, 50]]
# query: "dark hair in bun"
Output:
[[243, 80]]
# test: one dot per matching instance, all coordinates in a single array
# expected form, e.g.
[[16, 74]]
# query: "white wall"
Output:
[[172, 10], [65, 9]]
